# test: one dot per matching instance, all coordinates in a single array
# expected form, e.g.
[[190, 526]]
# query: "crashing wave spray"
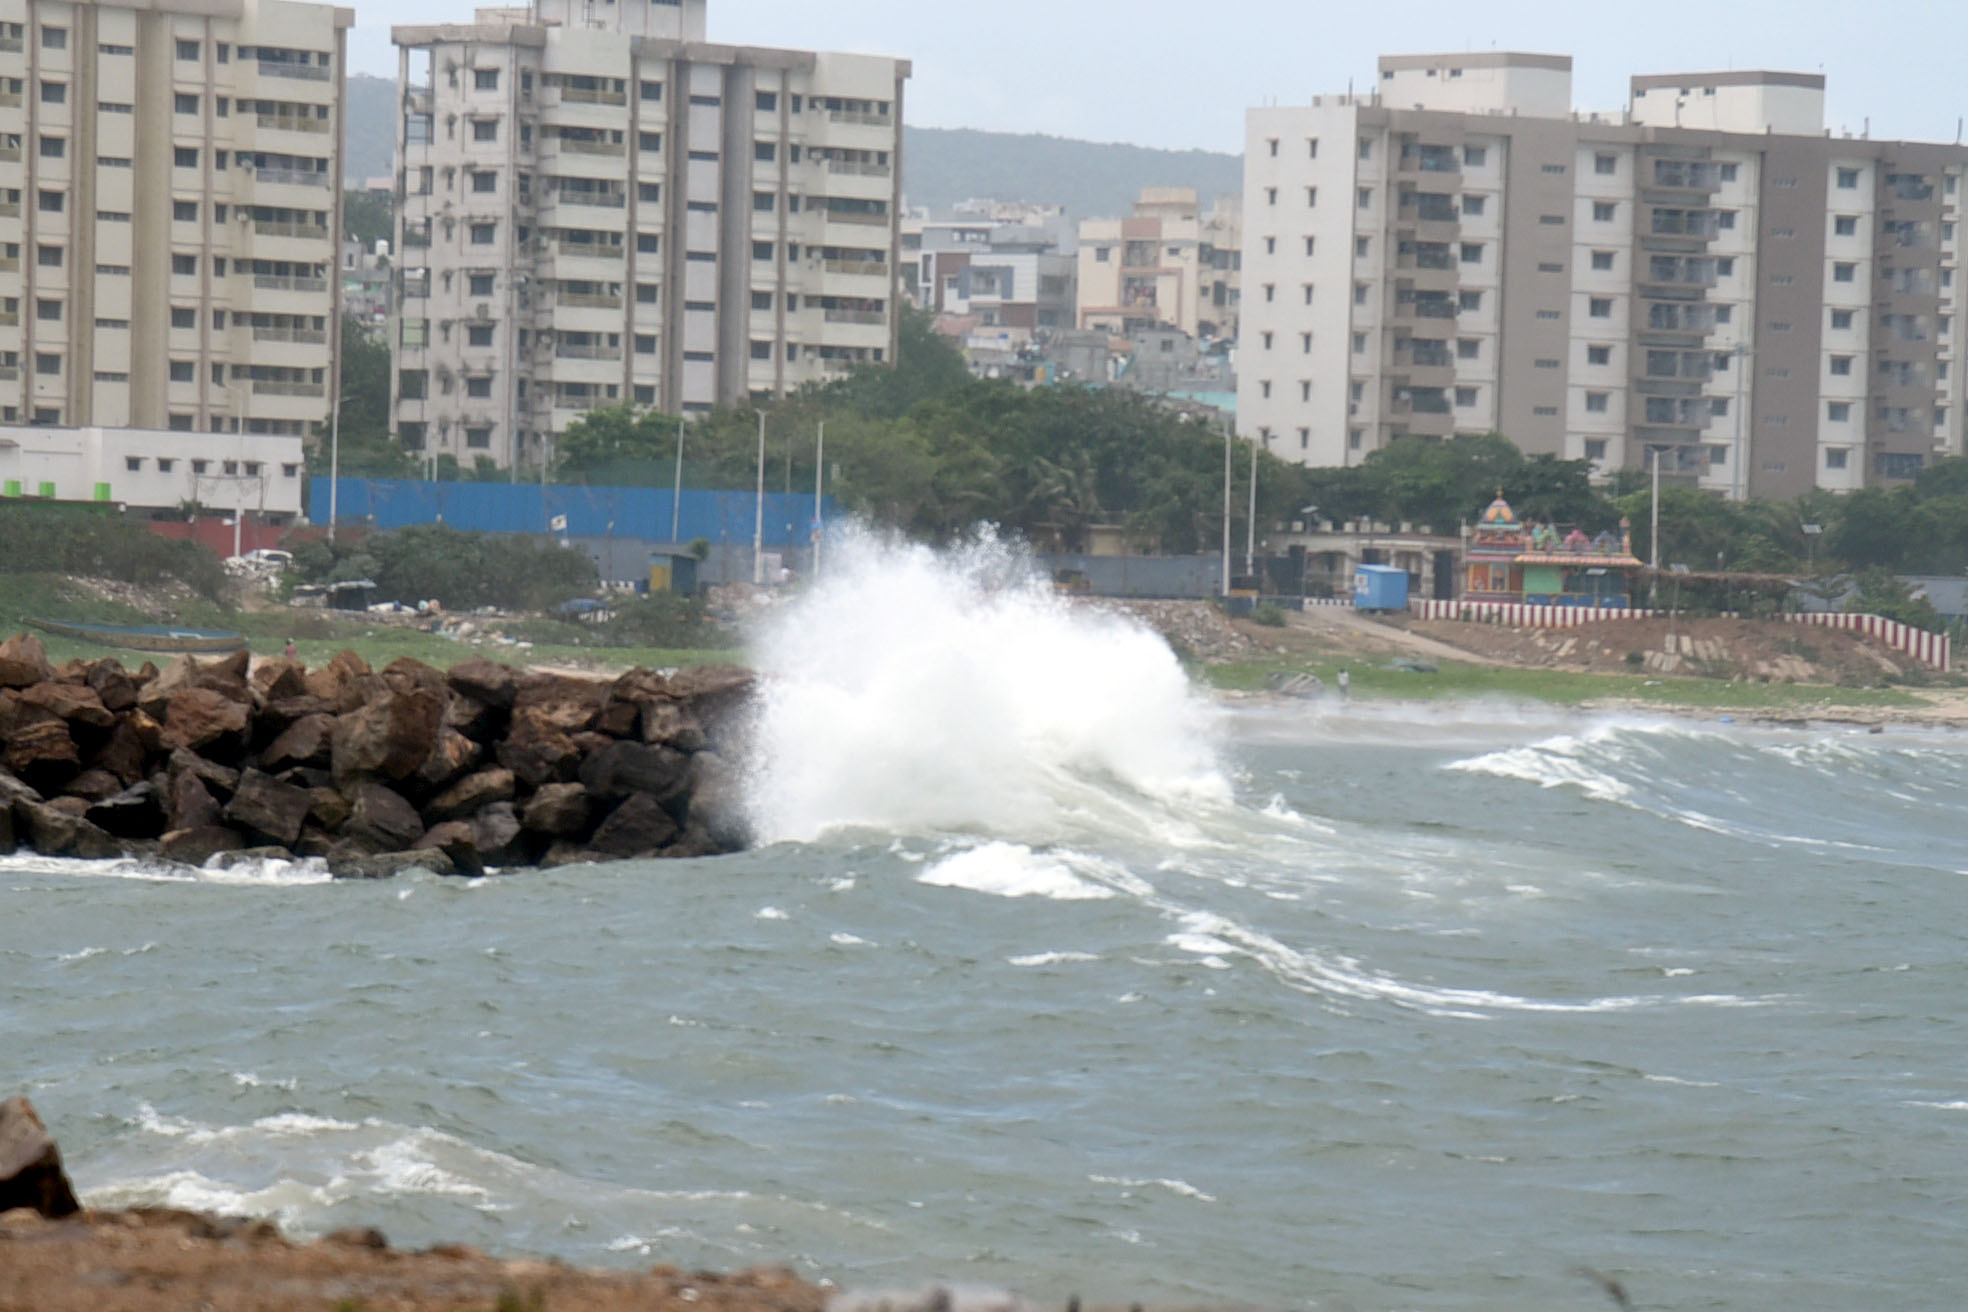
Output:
[[916, 691]]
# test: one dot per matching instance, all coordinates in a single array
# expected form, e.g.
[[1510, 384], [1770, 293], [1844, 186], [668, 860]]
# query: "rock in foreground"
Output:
[[409, 767]]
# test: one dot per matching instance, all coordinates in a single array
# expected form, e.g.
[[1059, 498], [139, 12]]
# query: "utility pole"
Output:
[[676, 492], [334, 459], [819, 466], [1250, 523], [1654, 533], [1226, 507], [758, 513]]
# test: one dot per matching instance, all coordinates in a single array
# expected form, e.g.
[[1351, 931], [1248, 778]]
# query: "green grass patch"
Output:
[[1462, 682]]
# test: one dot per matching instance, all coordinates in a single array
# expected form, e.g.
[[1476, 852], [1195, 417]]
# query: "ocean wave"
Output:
[[1013, 870]]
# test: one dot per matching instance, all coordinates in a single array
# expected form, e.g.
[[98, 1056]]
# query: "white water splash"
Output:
[[917, 691]]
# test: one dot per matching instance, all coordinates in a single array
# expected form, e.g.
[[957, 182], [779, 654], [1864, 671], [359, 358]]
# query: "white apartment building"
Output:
[[152, 469], [1708, 275], [598, 206], [170, 184]]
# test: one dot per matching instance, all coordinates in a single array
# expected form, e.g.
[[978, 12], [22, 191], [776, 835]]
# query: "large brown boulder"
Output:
[[390, 736], [380, 819], [23, 662], [136, 812], [716, 694], [220, 779], [154, 695], [638, 827], [406, 673], [196, 846], [74, 702], [328, 681], [55, 830], [538, 755], [717, 803], [485, 681], [457, 840], [189, 803], [452, 757], [559, 810], [123, 753], [621, 768], [497, 834], [555, 701], [37, 741], [278, 680], [31, 1172], [198, 718], [92, 785], [388, 865], [112, 684], [307, 741], [667, 723], [471, 794], [263, 805]]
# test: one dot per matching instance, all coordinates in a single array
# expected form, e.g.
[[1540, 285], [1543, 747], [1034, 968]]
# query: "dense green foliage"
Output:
[[366, 448], [368, 217], [90, 544], [463, 571]]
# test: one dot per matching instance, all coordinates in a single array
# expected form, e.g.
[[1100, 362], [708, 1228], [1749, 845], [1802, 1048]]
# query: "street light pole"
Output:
[[676, 492], [819, 467], [1226, 509], [1654, 533], [1250, 523], [758, 513]]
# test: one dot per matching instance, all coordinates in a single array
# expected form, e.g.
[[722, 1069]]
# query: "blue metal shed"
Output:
[[1380, 587]]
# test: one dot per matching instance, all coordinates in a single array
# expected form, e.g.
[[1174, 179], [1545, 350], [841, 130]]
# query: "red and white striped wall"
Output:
[[1934, 650], [1523, 615]]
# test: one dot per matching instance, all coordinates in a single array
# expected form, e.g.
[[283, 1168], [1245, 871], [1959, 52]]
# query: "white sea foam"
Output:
[[1012, 870], [923, 692], [1180, 1188], [268, 873], [1052, 958], [1940, 1106], [769, 913]]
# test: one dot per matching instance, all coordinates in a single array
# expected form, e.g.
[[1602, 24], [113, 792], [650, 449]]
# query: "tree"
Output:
[[1878, 592], [366, 448], [368, 217]]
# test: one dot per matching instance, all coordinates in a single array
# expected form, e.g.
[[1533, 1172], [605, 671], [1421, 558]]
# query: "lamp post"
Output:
[[758, 513], [1811, 532], [1250, 523], [1654, 532], [1305, 514], [1227, 427], [676, 491]]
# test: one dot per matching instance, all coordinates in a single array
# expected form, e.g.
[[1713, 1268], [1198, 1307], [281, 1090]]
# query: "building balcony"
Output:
[[278, 282], [10, 99], [9, 318], [857, 316], [278, 387], [588, 301], [860, 118], [12, 153], [288, 228], [10, 44], [304, 336], [594, 200], [293, 177], [857, 268], [858, 168], [9, 264], [588, 96], [574, 351], [291, 123], [298, 72], [577, 146]]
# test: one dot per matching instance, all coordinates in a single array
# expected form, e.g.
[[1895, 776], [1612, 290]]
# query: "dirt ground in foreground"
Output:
[[149, 1260]]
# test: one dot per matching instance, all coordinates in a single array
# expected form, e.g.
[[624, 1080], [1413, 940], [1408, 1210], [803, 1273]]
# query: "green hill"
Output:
[[940, 166]]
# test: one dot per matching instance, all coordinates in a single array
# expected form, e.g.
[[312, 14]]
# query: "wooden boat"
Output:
[[146, 637]]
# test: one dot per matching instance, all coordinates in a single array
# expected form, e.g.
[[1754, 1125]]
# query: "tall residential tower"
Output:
[[170, 184], [597, 207], [1708, 275]]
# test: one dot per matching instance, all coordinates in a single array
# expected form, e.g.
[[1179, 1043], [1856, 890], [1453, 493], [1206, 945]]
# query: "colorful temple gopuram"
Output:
[[1511, 561]]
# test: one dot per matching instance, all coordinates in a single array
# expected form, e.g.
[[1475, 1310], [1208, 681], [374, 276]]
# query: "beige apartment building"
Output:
[[170, 182], [1168, 264], [1708, 277], [597, 206]]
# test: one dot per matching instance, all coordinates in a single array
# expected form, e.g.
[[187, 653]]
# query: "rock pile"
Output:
[[375, 771]]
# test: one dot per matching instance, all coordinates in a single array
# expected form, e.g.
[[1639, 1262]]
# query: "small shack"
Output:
[[1380, 587]]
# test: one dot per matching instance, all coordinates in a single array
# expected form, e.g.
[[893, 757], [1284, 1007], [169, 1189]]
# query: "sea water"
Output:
[[1052, 975]]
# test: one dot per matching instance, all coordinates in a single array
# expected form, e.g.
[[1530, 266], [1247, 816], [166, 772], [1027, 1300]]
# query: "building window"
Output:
[[1598, 355], [1595, 448], [1360, 293], [1468, 348], [481, 284], [1366, 148], [48, 257], [1366, 198], [1845, 225], [1844, 272], [648, 243], [184, 316], [184, 211], [184, 103], [1718, 407], [50, 202], [485, 79], [1465, 398], [188, 50], [1304, 390], [54, 148], [1308, 293], [1264, 388], [184, 265], [484, 182], [1605, 165], [479, 388], [1604, 211], [54, 38], [1602, 260], [1311, 197], [1469, 302], [48, 311], [183, 371], [1475, 157], [485, 129], [1835, 456], [1724, 313], [1472, 206], [478, 438], [484, 234], [1725, 267], [56, 93], [1596, 402], [1361, 246], [479, 334], [1848, 179], [1472, 252], [1273, 144], [1841, 319], [1311, 244], [1841, 366], [1270, 291], [1359, 343]]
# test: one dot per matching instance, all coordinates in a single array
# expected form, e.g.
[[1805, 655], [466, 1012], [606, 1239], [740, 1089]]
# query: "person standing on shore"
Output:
[[288, 653], [1345, 683]]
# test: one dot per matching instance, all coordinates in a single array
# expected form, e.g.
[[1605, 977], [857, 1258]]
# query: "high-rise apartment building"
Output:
[[1708, 275], [170, 183], [597, 207]]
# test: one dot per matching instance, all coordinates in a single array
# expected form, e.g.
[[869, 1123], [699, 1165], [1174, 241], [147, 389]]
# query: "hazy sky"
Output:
[[1160, 73]]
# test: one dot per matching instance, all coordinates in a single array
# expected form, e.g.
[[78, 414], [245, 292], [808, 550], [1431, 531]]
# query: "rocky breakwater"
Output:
[[374, 771]]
